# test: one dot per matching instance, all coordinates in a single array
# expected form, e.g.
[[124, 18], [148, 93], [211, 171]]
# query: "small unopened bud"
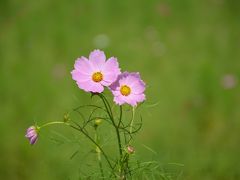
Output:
[[98, 150], [66, 117], [130, 149], [97, 122]]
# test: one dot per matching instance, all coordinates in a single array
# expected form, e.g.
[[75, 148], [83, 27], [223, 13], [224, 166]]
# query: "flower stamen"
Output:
[[97, 77], [125, 90]]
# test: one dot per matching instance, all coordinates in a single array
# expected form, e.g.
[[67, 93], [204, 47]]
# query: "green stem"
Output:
[[120, 117], [107, 105], [99, 155], [132, 120], [110, 114], [116, 126], [54, 122], [120, 121], [101, 168]]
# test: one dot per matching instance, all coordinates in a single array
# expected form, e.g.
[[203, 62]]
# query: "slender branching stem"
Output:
[[98, 154], [116, 126], [54, 122], [110, 114], [120, 117], [132, 121], [94, 142]]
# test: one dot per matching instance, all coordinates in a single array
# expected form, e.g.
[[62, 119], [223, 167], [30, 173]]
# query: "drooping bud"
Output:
[[32, 134], [66, 117], [97, 122]]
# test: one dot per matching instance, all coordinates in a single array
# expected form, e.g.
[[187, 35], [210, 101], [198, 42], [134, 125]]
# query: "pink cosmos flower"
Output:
[[94, 73], [32, 134], [128, 88]]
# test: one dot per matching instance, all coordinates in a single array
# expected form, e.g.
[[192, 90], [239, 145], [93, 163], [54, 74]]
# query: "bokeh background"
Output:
[[187, 51]]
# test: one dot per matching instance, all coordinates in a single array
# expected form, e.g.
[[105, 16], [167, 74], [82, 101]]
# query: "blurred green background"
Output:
[[187, 51]]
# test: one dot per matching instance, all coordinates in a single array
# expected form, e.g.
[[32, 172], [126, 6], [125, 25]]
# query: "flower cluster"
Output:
[[95, 73]]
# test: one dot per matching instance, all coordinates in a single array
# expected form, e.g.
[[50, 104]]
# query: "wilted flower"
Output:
[[129, 88], [130, 150], [32, 134], [93, 74]]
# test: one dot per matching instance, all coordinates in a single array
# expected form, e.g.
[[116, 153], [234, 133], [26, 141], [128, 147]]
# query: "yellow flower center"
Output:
[[97, 77], [125, 90]]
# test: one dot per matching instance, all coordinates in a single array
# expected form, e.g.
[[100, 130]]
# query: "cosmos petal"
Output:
[[91, 86], [84, 66], [79, 76], [97, 58], [110, 71]]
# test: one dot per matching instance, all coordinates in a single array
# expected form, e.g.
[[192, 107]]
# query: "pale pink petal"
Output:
[[84, 66], [130, 101], [111, 65], [91, 86], [123, 82], [118, 100], [108, 79], [110, 71], [97, 58], [139, 97], [134, 99], [118, 82], [96, 87], [80, 77], [138, 88], [116, 93], [132, 79]]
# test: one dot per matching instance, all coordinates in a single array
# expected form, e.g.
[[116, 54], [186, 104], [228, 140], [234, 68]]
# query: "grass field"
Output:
[[188, 53]]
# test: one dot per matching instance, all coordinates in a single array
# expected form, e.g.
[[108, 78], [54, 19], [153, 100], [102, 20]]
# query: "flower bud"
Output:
[[32, 134], [97, 122], [98, 150], [130, 149], [66, 117]]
